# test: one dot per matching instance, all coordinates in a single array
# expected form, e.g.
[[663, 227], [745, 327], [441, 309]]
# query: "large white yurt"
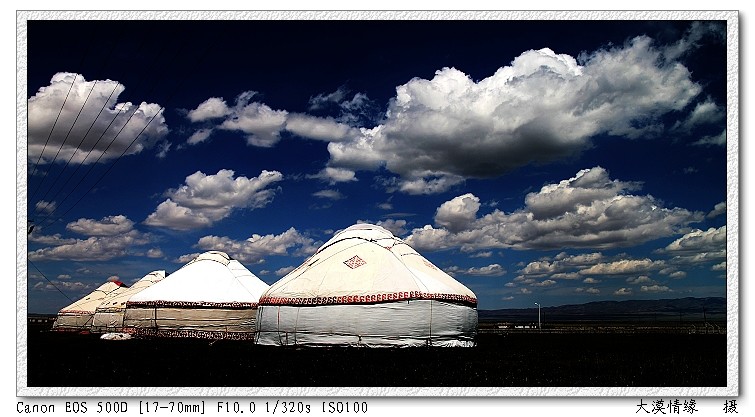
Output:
[[78, 316], [108, 317], [366, 287], [211, 297]]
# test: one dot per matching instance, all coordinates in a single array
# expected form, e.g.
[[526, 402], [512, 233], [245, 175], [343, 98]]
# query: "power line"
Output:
[[51, 283], [64, 141], [158, 112]]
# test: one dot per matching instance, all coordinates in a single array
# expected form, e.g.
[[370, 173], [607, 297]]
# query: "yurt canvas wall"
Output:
[[213, 297], [108, 317], [78, 316], [365, 287]]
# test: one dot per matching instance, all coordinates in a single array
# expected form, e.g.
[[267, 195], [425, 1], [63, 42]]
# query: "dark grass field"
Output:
[[498, 360]]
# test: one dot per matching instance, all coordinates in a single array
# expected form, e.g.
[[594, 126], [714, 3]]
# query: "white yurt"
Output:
[[78, 316], [108, 317], [211, 297], [366, 287]]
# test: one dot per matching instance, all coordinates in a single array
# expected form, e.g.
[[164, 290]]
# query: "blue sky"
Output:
[[557, 162]]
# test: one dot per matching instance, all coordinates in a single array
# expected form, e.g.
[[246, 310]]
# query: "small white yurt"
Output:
[[366, 287], [211, 297], [79, 315], [108, 317]]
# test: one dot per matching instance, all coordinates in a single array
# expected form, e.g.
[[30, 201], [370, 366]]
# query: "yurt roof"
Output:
[[365, 264], [212, 279], [117, 299], [89, 303]]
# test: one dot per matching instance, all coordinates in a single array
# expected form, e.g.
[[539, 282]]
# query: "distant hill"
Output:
[[685, 309]]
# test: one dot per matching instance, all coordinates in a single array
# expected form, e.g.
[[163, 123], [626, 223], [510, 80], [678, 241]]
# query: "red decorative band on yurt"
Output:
[[367, 299], [190, 304]]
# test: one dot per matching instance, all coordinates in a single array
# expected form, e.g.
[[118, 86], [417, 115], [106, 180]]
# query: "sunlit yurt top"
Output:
[[362, 264], [117, 299], [89, 303], [212, 279]]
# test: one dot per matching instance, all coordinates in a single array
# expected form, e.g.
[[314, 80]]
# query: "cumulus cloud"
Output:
[[719, 267], [68, 287], [591, 281], [212, 108], [107, 226], [642, 279], [623, 291], [718, 210], [334, 175], [257, 247], [493, 270], [717, 140], [698, 246], [655, 288], [359, 110], [285, 270], [543, 107], [261, 124], [623, 267], [64, 276], [706, 112], [588, 210], [319, 128], [397, 227], [95, 248], [458, 213], [45, 207], [205, 199], [545, 283], [199, 136], [329, 194], [155, 253], [102, 124]]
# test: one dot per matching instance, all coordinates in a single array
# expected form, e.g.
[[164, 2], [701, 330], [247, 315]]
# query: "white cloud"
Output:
[[642, 279], [655, 288], [325, 129], [545, 283], [68, 287], [706, 112], [717, 140], [623, 291], [334, 175], [199, 136], [64, 276], [719, 267], [543, 107], [698, 246], [718, 210], [257, 247], [104, 124], [397, 227], [591, 281], [212, 108], [525, 291], [108, 226], [678, 275], [205, 199], [46, 207], [586, 211], [95, 248], [329, 194], [155, 253], [259, 122], [285, 270], [592, 290], [622, 267], [493, 270], [486, 254], [458, 213]]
